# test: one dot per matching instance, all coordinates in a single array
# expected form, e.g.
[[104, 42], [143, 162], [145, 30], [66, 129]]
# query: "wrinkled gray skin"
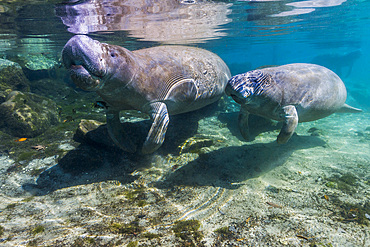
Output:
[[158, 81], [290, 93]]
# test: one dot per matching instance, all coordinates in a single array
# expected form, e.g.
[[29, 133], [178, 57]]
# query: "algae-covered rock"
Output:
[[27, 114], [39, 66], [195, 144], [11, 78]]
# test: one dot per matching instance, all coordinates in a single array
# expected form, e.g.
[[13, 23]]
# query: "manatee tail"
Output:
[[348, 109]]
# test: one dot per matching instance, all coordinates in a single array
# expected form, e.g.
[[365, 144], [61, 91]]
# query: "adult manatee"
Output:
[[158, 81], [290, 93]]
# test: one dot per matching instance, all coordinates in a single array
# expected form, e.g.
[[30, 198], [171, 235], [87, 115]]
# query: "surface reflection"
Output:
[[168, 21], [305, 7]]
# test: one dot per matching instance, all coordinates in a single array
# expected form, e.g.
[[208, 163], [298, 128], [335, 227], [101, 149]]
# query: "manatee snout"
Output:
[[236, 88], [83, 57]]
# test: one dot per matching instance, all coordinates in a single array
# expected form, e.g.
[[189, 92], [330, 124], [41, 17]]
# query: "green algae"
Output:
[[132, 244], [331, 184], [38, 229], [141, 203], [11, 206], [315, 244], [223, 232], [347, 183], [130, 228], [90, 240], [28, 199], [32, 243], [352, 212], [150, 235], [188, 230], [26, 156], [136, 196], [28, 114], [86, 241]]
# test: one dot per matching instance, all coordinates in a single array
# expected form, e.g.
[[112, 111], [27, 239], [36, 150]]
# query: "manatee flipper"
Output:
[[289, 125], [160, 117], [117, 132], [348, 109], [243, 123]]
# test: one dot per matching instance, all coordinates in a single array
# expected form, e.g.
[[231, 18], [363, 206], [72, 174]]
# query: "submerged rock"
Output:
[[93, 132], [39, 66], [11, 78], [195, 144], [27, 114]]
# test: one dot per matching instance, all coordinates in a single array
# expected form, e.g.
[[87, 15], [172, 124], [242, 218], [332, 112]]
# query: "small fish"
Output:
[[247, 220], [326, 197], [100, 104], [21, 139]]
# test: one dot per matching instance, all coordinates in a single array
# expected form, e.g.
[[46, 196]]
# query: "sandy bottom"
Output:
[[209, 189]]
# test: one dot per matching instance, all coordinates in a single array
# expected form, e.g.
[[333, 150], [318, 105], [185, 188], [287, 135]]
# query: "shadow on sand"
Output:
[[230, 165]]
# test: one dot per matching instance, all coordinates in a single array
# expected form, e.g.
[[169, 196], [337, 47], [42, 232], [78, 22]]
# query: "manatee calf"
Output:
[[158, 81], [290, 93]]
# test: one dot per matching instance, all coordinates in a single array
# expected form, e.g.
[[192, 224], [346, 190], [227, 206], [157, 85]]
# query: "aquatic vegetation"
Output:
[[1, 230], [26, 156], [136, 196], [351, 212], [195, 144], [11, 206], [84, 241], [38, 229], [90, 240], [130, 228], [142, 203], [224, 232], [346, 183], [332, 184], [188, 230], [132, 244], [150, 235], [32, 243], [28, 199], [27, 114], [315, 244], [12, 77]]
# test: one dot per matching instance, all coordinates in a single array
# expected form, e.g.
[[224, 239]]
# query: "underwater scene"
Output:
[[184, 123]]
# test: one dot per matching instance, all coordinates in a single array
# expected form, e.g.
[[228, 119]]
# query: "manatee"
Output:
[[289, 93], [158, 81]]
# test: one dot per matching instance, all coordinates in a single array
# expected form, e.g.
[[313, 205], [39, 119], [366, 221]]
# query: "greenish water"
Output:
[[206, 186]]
